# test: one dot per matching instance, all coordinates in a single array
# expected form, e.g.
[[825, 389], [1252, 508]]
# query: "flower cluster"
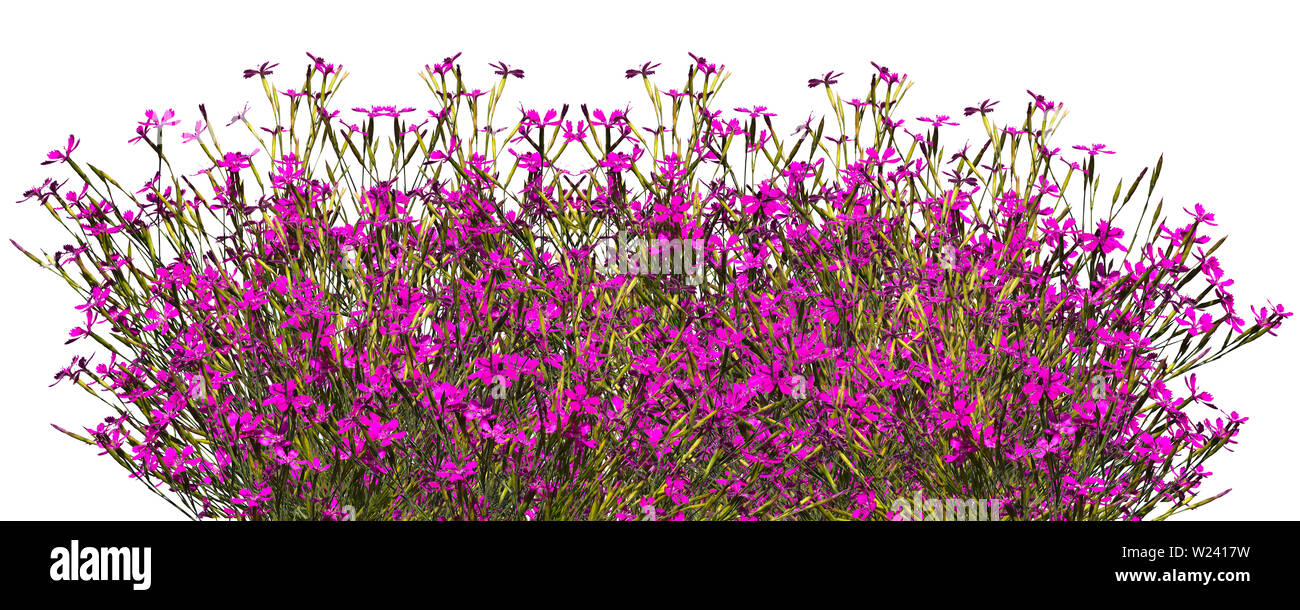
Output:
[[421, 325]]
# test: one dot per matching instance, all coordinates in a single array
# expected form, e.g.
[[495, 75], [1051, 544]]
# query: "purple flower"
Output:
[[263, 70], [828, 79], [984, 108], [887, 76], [502, 70], [645, 70]]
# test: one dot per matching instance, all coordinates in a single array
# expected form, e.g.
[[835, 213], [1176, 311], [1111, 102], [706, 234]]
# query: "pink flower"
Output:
[[453, 472]]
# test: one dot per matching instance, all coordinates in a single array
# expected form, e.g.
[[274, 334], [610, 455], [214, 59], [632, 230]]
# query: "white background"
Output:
[[1211, 86]]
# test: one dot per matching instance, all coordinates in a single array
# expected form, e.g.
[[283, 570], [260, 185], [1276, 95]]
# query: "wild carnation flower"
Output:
[[692, 320]]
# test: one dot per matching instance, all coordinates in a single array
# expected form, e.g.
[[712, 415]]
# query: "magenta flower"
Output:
[[704, 66], [820, 328], [62, 156], [888, 77], [575, 133], [383, 111], [1202, 216], [1105, 237], [938, 120], [1044, 382], [1196, 325], [320, 66], [533, 119], [159, 319], [253, 499], [1154, 449], [199, 128], [153, 121], [1094, 149], [1041, 102], [445, 66], [757, 111], [235, 161], [384, 433], [453, 472], [283, 396]]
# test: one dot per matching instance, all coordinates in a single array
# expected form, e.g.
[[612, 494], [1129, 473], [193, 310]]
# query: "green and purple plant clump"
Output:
[[417, 316]]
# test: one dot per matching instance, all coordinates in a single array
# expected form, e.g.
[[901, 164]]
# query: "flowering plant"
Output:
[[416, 316]]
